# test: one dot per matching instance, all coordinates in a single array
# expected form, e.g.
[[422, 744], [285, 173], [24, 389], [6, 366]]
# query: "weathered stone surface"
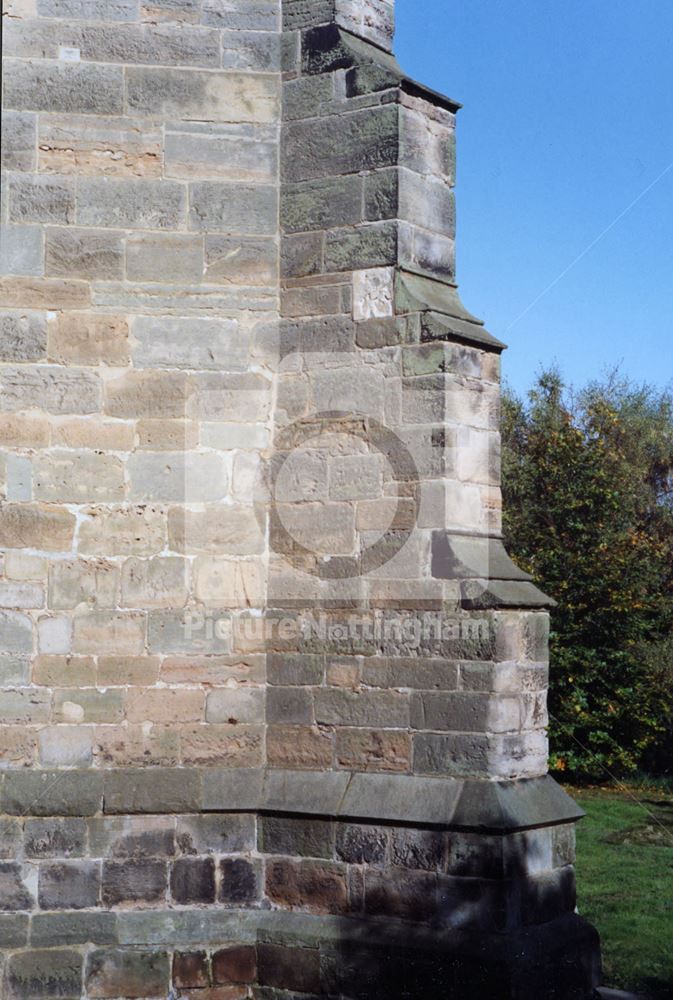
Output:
[[122, 531], [131, 204], [111, 973], [56, 390], [21, 250], [233, 208], [18, 140], [219, 97], [33, 974], [79, 477], [34, 198], [72, 885], [66, 87], [164, 257], [116, 147], [52, 793], [84, 253], [198, 344]]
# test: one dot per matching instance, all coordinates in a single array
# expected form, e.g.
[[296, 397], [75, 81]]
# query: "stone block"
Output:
[[456, 754], [177, 477], [150, 395], [365, 140], [167, 705], [307, 838], [21, 595], [293, 706], [80, 339], [25, 705], [16, 633], [295, 669], [141, 883], [240, 881], [237, 964], [301, 255], [43, 293], [14, 670], [13, 893], [114, 973], [233, 208], [78, 477], [52, 930], [366, 708], [191, 632], [121, 531], [164, 257], [166, 435], [158, 791], [66, 746], [54, 838], [191, 969], [85, 145], [13, 930], [130, 204], [219, 834], [126, 745], [127, 670], [374, 245], [289, 968], [132, 837], [69, 885], [318, 886], [322, 204], [252, 51], [242, 260], [89, 10], [196, 343], [154, 583], [21, 250], [79, 581], [226, 153], [242, 15], [215, 745], [24, 430], [51, 389], [52, 793], [110, 633], [54, 634], [235, 706], [84, 253], [18, 746], [64, 671], [205, 96], [19, 140], [76, 705], [193, 881], [362, 845], [229, 583], [373, 750], [226, 530], [34, 974], [37, 198], [79, 88]]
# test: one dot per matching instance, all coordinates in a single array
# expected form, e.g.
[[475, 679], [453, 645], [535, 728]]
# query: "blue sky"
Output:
[[567, 121]]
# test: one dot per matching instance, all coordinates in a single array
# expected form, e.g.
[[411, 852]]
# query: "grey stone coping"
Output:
[[217, 926], [489, 578], [486, 806], [328, 47], [446, 318]]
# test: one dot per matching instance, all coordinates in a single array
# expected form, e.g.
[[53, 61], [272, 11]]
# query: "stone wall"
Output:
[[272, 694]]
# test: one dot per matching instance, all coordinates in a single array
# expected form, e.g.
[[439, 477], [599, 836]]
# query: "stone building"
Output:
[[273, 695]]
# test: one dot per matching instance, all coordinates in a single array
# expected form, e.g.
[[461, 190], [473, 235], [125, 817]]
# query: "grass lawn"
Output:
[[625, 885]]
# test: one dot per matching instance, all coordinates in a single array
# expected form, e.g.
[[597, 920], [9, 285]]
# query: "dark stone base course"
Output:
[[298, 957]]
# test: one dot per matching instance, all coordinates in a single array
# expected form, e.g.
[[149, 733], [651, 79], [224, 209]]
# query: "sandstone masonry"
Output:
[[272, 694]]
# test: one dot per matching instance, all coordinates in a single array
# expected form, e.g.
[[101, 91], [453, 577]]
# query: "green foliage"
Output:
[[588, 501]]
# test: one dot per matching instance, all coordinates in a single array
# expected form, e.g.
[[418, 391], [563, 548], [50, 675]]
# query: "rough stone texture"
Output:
[[263, 660]]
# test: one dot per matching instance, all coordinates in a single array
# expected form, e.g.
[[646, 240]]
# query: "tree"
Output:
[[588, 501]]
